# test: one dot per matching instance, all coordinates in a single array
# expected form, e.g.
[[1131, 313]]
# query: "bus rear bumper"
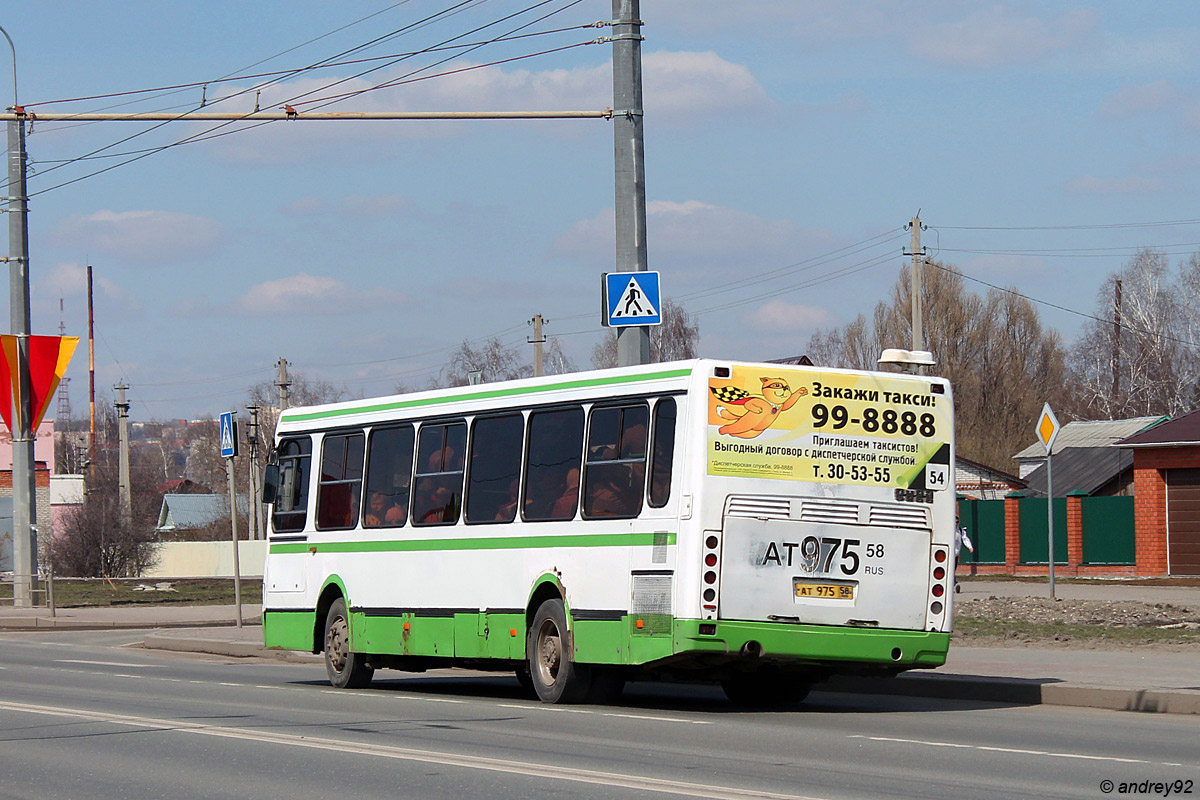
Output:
[[813, 644]]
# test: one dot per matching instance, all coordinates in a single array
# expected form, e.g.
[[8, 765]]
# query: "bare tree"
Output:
[[1002, 364], [676, 339], [94, 540], [1149, 364], [494, 360]]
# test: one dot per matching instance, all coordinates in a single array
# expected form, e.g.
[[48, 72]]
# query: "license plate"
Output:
[[830, 591]]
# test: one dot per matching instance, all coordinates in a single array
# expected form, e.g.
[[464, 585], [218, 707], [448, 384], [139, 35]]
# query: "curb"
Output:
[[1022, 691], [52, 623], [221, 647], [945, 687]]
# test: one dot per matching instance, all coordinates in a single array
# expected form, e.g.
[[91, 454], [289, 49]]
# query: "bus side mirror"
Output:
[[270, 483]]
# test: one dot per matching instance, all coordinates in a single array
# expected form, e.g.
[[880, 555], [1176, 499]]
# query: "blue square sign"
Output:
[[632, 298], [229, 441]]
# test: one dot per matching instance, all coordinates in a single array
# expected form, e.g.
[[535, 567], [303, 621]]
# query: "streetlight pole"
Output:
[[24, 489], [633, 342]]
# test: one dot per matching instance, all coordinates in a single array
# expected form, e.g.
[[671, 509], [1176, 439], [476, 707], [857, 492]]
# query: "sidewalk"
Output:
[[1132, 679]]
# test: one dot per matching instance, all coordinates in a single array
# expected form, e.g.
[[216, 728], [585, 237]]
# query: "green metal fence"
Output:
[[1034, 544], [1108, 530], [983, 521]]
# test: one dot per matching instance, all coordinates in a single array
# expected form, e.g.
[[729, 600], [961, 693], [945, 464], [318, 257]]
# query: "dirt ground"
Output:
[[1076, 623]]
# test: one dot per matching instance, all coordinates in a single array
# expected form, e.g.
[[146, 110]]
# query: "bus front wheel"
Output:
[[556, 676], [346, 670]]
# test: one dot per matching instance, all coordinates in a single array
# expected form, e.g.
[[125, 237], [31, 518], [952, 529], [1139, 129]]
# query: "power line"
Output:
[[1108, 226], [1047, 303]]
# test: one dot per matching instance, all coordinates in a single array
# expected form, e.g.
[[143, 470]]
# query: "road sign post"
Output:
[[1047, 432], [229, 451]]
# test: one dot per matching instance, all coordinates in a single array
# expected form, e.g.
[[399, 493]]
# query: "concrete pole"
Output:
[[283, 383], [538, 341], [24, 486], [918, 312], [124, 490], [633, 343]]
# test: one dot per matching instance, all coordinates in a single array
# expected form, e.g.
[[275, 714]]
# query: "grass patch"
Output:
[[76, 592], [1022, 630]]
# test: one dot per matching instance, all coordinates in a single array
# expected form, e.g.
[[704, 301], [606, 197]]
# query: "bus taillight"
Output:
[[712, 544]]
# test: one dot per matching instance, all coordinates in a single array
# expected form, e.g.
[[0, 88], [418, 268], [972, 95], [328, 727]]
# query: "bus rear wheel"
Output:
[[346, 670], [556, 677], [766, 689]]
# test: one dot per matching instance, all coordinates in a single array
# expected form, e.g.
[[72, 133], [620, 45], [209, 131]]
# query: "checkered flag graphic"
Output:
[[730, 394]]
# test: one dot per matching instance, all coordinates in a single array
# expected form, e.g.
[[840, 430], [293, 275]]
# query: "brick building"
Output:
[[1166, 477]]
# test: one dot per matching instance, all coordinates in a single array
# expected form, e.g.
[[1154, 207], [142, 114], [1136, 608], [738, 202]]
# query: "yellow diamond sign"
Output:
[[1047, 428]]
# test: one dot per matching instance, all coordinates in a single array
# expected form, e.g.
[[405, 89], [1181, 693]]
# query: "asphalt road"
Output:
[[83, 714]]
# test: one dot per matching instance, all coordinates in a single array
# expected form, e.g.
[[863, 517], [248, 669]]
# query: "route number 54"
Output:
[[937, 476]]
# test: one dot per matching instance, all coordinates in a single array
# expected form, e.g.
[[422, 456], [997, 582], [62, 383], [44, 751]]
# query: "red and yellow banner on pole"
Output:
[[48, 359]]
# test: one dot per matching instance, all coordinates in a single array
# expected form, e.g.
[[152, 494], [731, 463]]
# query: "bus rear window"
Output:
[[552, 464], [615, 473]]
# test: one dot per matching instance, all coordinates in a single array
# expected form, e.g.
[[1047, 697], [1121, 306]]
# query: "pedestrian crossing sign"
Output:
[[631, 298], [229, 442]]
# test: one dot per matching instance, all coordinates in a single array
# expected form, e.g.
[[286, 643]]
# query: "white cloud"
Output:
[[1090, 184], [312, 294], [996, 36], [141, 237], [685, 84], [779, 316]]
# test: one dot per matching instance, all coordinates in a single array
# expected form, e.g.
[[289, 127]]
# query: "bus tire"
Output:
[[556, 676], [346, 670], [766, 690]]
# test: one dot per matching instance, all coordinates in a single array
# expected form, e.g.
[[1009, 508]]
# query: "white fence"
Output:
[[207, 560]]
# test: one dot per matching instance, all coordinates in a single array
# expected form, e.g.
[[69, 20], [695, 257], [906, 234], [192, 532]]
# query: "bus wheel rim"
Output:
[[549, 653], [337, 644]]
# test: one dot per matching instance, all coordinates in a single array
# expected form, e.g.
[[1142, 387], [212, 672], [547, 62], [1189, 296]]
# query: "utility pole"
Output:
[[124, 491], [538, 340], [1116, 350], [918, 257], [255, 507], [91, 375], [24, 488], [633, 342], [283, 383]]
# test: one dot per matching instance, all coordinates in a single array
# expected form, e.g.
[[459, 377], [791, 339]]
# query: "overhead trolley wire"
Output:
[[211, 132]]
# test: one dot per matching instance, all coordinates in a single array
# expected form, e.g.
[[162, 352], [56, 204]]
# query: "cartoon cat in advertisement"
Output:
[[750, 414]]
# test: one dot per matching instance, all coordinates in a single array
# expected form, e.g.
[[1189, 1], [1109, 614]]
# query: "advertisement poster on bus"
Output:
[[868, 429]]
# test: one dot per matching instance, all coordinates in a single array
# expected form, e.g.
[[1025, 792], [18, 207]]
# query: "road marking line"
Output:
[[554, 772], [108, 663], [1015, 750], [559, 710]]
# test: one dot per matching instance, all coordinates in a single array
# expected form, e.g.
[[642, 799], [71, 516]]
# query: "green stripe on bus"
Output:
[[487, 394], [476, 543]]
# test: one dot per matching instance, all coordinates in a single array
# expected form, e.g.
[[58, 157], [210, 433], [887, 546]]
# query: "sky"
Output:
[[787, 145]]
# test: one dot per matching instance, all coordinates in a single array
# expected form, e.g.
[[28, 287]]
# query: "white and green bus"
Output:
[[759, 525]]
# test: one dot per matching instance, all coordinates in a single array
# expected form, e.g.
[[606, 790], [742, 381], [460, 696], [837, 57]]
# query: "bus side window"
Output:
[[552, 464], [338, 493], [663, 452], [389, 473], [437, 489], [495, 476], [291, 503], [614, 478]]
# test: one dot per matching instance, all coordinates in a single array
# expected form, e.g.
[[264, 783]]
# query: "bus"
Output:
[[759, 525]]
